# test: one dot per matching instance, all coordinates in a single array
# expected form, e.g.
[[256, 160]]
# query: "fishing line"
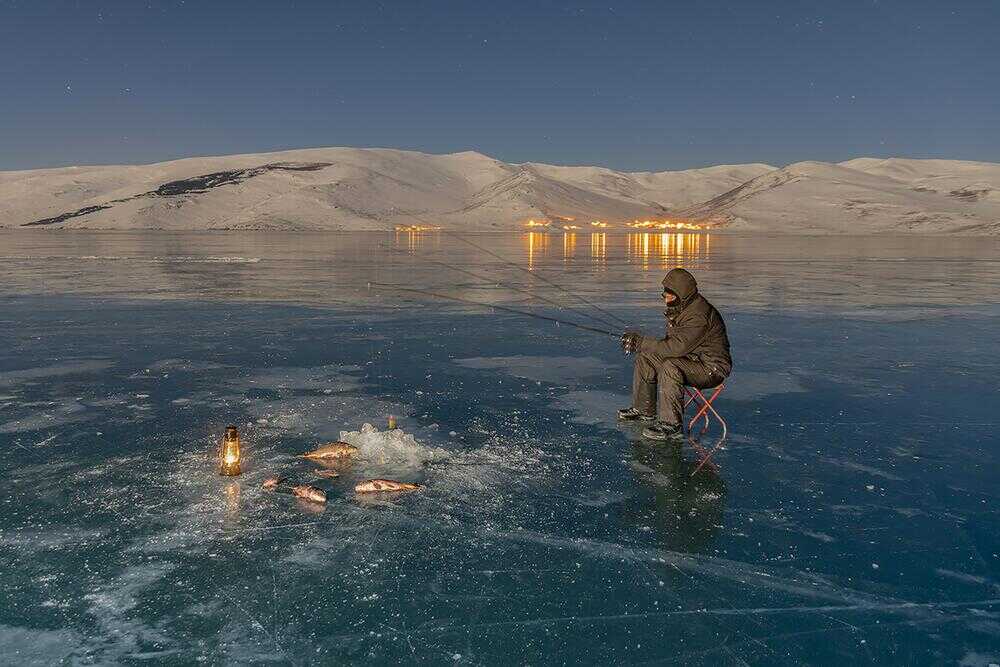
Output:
[[515, 311], [617, 320], [545, 280], [530, 293]]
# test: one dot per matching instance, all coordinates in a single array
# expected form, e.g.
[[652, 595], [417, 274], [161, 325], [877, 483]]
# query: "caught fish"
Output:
[[385, 486], [307, 492], [332, 450], [304, 491], [327, 473]]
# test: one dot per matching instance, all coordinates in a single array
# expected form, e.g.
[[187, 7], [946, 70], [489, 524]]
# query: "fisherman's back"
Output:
[[713, 347]]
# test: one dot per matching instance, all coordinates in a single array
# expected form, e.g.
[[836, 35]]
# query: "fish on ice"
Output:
[[332, 450], [304, 491], [384, 486], [307, 492]]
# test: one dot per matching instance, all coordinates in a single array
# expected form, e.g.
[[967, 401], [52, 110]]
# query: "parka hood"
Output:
[[681, 283]]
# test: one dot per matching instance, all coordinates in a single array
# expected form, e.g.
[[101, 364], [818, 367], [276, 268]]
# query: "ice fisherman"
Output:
[[694, 353]]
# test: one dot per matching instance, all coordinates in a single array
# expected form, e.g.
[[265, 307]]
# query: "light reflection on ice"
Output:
[[544, 527]]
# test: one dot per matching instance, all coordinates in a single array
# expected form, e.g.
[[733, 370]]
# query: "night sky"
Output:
[[639, 86]]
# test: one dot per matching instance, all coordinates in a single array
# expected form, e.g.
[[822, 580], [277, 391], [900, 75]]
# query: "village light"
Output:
[[417, 228], [229, 453]]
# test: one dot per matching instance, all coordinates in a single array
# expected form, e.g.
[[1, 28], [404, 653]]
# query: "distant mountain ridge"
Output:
[[864, 195], [379, 189]]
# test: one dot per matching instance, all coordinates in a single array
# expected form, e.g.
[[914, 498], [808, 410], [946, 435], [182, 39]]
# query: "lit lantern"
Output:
[[229, 453]]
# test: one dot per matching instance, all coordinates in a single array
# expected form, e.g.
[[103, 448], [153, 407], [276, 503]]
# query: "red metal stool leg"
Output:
[[702, 410], [705, 410], [711, 452], [688, 396], [711, 399]]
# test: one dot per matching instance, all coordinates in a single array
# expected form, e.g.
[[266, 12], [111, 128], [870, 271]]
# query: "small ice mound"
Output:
[[391, 446]]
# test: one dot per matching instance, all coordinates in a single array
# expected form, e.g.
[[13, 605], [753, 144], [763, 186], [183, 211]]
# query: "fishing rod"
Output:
[[545, 280], [530, 293], [515, 311], [618, 321]]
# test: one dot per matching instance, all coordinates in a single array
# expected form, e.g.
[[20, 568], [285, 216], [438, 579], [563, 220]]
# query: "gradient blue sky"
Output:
[[640, 85]]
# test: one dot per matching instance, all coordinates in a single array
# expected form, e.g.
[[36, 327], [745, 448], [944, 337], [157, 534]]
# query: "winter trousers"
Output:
[[658, 384]]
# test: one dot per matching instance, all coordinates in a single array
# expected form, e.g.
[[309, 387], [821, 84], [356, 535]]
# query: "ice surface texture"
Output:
[[853, 520]]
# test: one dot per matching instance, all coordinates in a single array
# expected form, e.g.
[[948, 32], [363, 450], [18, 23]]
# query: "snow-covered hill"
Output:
[[863, 196], [369, 189]]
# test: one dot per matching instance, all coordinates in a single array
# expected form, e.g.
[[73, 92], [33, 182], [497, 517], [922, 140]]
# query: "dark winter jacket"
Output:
[[695, 329]]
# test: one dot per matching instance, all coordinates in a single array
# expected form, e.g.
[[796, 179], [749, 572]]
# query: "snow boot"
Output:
[[663, 432], [631, 414]]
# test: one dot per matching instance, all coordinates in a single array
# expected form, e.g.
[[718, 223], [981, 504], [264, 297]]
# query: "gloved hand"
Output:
[[631, 341]]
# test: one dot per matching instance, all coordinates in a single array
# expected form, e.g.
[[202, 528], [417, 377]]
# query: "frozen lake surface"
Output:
[[853, 518]]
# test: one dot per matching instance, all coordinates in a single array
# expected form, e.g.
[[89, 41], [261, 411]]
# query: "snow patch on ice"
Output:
[[55, 413], [307, 379], [78, 367], [591, 406], [860, 467], [120, 594], [121, 635], [184, 365], [974, 659], [557, 370], [960, 576], [30, 542], [203, 510], [28, 646], [755, 385], [391, 446]]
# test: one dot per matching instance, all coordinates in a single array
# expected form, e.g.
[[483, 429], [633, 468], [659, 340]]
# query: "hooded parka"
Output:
[[695, 329], [694, 352]]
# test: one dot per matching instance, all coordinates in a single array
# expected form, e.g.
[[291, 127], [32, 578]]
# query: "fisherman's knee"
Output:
[[668, 370], [645, 365]]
